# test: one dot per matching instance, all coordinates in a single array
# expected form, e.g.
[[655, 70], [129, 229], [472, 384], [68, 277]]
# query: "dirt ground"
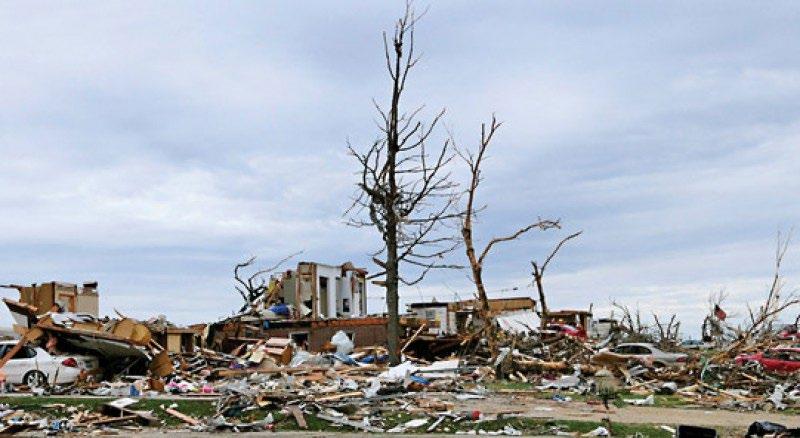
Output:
[[578, 410]]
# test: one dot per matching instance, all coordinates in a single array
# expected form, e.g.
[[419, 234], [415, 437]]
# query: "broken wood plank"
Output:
[[339, 396], [181, 416], [298, 416], [111, 420], [413, 337]]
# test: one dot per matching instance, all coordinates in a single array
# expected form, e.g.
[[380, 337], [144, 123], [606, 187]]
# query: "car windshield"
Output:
[[776, 354]]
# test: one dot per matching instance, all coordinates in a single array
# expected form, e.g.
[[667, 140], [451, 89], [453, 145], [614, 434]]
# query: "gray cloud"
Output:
[[152, 145]]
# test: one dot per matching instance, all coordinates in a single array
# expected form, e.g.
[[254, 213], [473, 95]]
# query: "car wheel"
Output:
[[659, 365], [35, 379]]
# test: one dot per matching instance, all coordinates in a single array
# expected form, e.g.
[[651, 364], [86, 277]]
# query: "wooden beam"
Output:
[[183, 417], [298, 416], [30, 335]]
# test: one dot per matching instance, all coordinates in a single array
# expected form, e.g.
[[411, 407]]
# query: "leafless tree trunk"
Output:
[[474, 161], [631, 322], [761, 319], [667, 334], [404, 189], [538, 276], [255, 285]]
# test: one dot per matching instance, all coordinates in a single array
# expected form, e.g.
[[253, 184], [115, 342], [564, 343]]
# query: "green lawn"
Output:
[[202, 408], [42, 405], [666, 401]]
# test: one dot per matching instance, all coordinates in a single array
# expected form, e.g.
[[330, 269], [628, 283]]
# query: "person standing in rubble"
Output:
[[606, 386]]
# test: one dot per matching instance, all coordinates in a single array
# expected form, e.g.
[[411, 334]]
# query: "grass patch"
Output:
[[528, 426], [663, 401], [283, 422], [43, 406]]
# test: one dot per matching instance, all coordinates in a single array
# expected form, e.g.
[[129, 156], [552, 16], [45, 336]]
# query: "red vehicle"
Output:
[[567, 330], [789, 333], [780, 360]]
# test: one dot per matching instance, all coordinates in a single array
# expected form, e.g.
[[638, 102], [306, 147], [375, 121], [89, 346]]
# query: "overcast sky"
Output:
[[152, 145]]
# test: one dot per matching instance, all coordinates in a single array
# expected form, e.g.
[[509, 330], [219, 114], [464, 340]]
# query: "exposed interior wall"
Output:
[[344, 298], [327, 291], [328, 287], [88, 302], [288, 293], [437, 317], [306, 289]]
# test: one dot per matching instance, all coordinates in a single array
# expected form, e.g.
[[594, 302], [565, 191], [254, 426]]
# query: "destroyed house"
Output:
[[319, 291], [308, 305], [450, 318], [60, 296]]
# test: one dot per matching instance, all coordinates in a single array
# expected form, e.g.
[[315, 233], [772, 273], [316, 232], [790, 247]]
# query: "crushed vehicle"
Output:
[[566, 330], [789, 333], [35, 367], [776, 360]]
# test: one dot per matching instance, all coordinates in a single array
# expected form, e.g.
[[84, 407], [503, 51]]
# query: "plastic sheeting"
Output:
[[342, 342], [520, 321]]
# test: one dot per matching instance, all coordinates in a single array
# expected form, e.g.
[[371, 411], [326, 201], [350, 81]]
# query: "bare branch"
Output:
[[255, 285]]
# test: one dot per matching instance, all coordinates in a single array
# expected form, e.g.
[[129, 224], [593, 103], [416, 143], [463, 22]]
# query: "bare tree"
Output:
[[252, 287], [631, 322], [666, 333], [762, 318], [538, 275], [404, 190], [474, 161]]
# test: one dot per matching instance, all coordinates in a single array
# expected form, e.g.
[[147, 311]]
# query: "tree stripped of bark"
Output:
[[476, 261], [760, 320], [538, 276], [254, 286], [404, 190]]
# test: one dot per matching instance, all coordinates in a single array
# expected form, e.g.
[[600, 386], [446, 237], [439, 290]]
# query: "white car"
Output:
[[660, 359], [33, 366]]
